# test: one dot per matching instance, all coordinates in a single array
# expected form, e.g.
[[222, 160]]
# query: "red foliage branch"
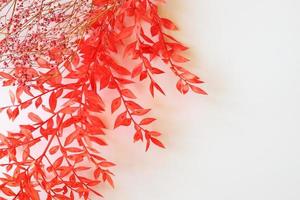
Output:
[[64, 78]]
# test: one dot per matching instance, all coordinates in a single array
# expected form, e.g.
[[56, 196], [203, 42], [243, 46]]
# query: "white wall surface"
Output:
[[241, 142]]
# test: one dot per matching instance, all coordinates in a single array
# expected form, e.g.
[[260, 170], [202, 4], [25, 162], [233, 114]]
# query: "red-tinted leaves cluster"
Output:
[[61, 75]]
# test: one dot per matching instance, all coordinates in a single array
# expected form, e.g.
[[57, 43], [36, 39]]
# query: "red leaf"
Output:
[[147, 121], [9, 113], [106, 164], [130, 48], [82, 168], [178, 58], [140, 112], [34, 194], [147, 144], [52, 101], [70, 138], [96, 121], [73, 149], [177, 46], [138, 136], [154, 134], [69, 110], [38, 102], [143, 75], [119, 69], [6, 75], [7, 191], [159, 88], [155, 30], [15, 113], [98, 141], [70, 122], [54, 149], [146, 38], [107, 178], [120, 119], [19, 92], [198, 90], [43, 63], [35, 118], [58, 162], [168, 24], [182, 86], [26, 104], [155, 85], [124, 81], [132, 105], [125, 33], [127, 93], [137, 71], [157, 142], [100, 2], [116, 103], [156, 71]]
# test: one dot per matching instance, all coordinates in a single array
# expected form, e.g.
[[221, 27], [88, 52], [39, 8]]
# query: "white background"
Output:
[[241, 142]]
